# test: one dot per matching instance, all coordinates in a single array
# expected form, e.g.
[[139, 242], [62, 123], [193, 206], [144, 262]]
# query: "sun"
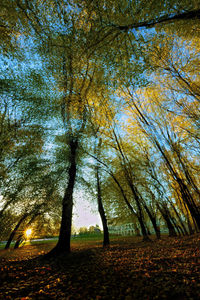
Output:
[[28, 232]]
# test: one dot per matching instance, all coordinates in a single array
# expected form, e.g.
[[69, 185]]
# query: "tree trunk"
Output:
[[166, 216], [106, 241], [170, 226], [20, 236], [140, 219], [63, 245], [187, 198], [191, 231], [143, 229], [140, 213], [153, 221], [148, 230], [18, 241], [176, 226], [185, 193], [15, 230], [136, 229], [183, 228], [195, 225]]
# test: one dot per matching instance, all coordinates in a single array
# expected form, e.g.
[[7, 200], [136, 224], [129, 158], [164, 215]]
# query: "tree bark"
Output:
[[183, 228], [170, 226], [166, 19], [176, 226], [185, 193], [153, 221], [166, 217], [15, 231], [18, 241], [189, 225], [191, 231], [63, 245], [106, 240], [143, 228], [139, 213], [21, 235]]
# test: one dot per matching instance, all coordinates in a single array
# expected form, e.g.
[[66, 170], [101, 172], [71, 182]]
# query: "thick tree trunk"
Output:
[[63, 245], [15, 231], [106, 240]]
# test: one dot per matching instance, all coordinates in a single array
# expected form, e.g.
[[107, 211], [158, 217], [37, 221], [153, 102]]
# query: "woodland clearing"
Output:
[[129, 269]]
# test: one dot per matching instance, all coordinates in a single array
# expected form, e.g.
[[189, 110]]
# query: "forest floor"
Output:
[[129, 269]]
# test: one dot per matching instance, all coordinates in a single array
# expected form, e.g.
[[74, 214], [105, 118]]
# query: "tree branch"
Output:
[[190, 15]]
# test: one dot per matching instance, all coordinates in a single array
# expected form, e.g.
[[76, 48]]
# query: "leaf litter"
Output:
[[129, 269]]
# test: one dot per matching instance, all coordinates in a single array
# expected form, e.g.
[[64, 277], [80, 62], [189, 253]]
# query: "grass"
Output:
[[83, 239], [129, 269]]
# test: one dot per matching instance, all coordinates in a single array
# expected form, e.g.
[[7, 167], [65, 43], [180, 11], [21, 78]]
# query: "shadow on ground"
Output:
[[129, 269]]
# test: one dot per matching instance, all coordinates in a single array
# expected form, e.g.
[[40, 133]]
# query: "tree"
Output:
[[85, 51], [161, 139], [106, 240]]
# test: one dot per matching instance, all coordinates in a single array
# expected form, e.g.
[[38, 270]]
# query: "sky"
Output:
[[85, 212]]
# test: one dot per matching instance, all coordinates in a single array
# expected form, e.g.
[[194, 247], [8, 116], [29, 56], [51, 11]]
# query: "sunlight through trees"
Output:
[[101, 97]]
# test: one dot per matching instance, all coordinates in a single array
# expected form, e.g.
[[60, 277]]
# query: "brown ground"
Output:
[[130, 269]]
